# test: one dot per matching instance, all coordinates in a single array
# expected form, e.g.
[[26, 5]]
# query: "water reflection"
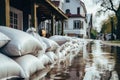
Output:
[[94, 62], [117, 65]]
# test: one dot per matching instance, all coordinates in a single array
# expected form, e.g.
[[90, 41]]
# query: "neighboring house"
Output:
[[22, 14], [76, 23], [79, 23]]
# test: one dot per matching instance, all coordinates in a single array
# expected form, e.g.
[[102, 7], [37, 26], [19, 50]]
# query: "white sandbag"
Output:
[[61, 57], [44, 59], [51, 45], [9, 68], [21, 43], [32, 31], [30, 64], [52, 56], [60, 39], [3, 39]]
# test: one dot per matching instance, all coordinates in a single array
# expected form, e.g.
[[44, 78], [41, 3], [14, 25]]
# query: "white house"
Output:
[[76, 25], [79, 23]]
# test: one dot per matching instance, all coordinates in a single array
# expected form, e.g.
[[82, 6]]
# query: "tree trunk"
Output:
[[117, 13], [118, 25], [118, 30]]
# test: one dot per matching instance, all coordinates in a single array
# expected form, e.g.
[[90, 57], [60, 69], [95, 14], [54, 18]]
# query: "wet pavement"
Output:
[[96, 61]]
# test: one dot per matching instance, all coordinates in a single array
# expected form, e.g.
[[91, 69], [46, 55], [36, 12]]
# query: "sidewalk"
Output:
[[110, 43]]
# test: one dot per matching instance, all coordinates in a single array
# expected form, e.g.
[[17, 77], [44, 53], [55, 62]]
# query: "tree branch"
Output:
[[106, 7], [112, 8]]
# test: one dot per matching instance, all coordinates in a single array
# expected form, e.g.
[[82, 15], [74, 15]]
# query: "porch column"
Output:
[[53, 25], [5, 12], [33, 15], [62, 27]]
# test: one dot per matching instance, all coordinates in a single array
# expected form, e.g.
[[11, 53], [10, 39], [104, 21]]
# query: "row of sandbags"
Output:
[[23, 51], [21, 54], [62, 46]]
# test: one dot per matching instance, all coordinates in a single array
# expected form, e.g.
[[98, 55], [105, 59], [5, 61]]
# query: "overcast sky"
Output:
[[92, 8]]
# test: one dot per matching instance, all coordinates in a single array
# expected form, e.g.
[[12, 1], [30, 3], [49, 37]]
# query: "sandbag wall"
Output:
[[24, 53]]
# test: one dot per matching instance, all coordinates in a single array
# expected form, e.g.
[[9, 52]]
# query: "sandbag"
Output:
[[51, 45], [9, 68], [21, 42], [60, 39], [30, 64], [32, 31], [52, 56], [44, 59], [3, 39]]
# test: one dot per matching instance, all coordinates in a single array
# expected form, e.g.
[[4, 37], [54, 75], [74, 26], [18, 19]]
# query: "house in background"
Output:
[[76, 25], [79, 22], [22, 14]]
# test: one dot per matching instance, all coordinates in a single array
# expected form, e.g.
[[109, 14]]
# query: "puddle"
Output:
[[94, 62]]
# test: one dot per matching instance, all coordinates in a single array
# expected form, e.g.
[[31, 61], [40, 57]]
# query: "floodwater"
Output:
[[96, 61]]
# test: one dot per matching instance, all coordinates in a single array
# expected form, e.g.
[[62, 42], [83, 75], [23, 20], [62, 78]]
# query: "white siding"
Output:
[[72, 6]]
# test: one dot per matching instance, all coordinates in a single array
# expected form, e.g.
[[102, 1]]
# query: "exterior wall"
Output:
[[72, 6], [69, 29]]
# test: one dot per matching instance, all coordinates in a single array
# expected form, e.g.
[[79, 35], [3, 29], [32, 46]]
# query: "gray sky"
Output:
[[92, 8]]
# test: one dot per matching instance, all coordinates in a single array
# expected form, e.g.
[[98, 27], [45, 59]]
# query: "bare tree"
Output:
[[109, 5]]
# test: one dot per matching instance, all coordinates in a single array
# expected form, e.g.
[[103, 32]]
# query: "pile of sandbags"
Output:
[[3, 39], [9, 68], [22, 48], [47, 55], [31, 53], [60, 39], [67, 51], [21, 43]]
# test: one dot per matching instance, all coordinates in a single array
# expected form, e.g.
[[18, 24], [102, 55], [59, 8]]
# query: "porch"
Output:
[[22, 14]]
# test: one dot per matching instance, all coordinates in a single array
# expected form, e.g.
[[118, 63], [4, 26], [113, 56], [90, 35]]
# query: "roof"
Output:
[[47, 8], [83, 5]]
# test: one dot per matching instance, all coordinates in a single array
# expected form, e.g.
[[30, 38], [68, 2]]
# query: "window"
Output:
[[13, 20], [67, 1], [16, 18], [77, 24], [78, 10], [67, 11]]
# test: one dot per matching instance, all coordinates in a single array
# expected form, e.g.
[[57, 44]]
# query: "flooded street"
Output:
[[95, 61]]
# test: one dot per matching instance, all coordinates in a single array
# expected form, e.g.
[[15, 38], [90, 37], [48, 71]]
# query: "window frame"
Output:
[[67, 11], [16, 19], [78, 10], [77, 24]]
